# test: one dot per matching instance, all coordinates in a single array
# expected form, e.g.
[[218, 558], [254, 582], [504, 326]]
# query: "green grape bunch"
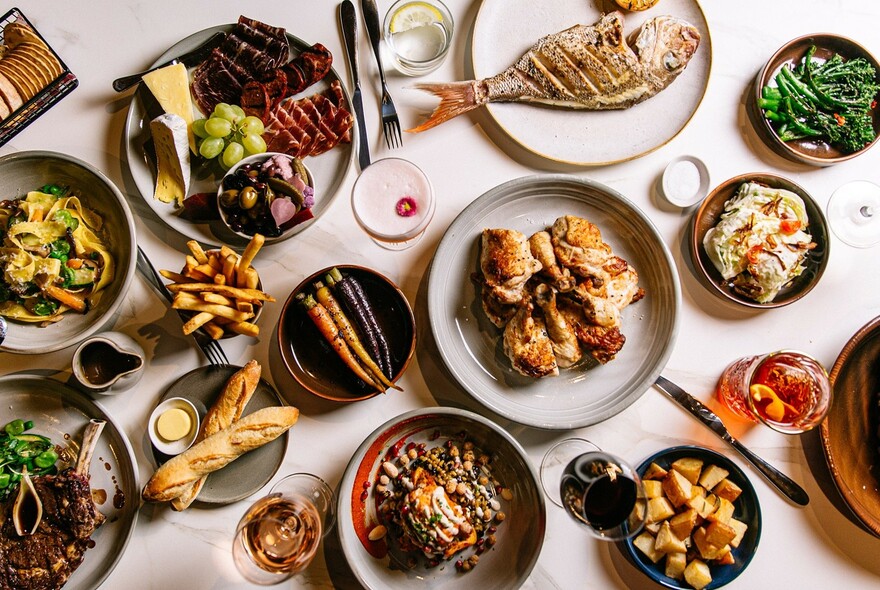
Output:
[[229, 135]]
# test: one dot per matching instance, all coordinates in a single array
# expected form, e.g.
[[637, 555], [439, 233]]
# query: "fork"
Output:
[[210, 347], [390, 121]]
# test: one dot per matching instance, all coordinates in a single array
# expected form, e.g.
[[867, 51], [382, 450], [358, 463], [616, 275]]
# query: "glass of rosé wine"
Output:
[[279, 535], [788, 391]]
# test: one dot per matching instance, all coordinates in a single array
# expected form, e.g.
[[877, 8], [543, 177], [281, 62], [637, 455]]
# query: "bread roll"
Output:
[[227, 408], [218, 450]]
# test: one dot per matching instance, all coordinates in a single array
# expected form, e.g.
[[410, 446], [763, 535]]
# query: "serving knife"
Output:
[[784, 483], [189, 59], [348, 20]]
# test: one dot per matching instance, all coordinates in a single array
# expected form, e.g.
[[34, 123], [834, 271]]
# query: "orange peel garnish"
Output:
[[775, 410]]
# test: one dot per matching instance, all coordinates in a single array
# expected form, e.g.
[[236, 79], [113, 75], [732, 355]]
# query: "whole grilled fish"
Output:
[[583, 67]]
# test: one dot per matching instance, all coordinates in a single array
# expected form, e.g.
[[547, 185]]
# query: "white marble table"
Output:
[[813, 547]]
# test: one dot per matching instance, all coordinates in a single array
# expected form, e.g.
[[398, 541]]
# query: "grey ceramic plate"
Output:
[[505, 29], [850, 432], [249, 473], [329, 169], [520, 537], [60, 412], [26, 171], [471, 345]]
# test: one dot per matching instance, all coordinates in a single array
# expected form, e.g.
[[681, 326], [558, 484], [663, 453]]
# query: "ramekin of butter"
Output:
[[173, 426]]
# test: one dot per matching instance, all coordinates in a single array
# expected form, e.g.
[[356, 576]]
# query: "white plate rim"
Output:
[[480, 23], [348, 538], [142, 176], [496, 400]]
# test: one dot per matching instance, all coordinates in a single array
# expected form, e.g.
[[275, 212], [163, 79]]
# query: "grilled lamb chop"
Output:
[[47, 558]]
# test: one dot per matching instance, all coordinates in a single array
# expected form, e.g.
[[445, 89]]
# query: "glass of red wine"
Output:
[[279, 535], [598, 490]]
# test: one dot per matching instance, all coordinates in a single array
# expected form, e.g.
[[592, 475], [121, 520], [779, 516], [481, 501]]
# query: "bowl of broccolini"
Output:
[[815, 100]]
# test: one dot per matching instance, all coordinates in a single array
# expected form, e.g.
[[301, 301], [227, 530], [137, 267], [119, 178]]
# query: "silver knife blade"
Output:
[[189, 59], [348, 20], [697, 409]]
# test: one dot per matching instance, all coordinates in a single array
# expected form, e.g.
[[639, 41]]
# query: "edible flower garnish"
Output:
[[406, 207]]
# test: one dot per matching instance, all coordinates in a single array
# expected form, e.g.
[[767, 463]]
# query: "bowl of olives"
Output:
[[270, 193]]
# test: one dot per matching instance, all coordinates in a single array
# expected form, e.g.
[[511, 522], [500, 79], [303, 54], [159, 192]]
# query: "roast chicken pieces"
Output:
[[557, 294]]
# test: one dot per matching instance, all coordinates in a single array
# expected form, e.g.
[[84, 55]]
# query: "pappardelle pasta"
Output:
[[52, 257]]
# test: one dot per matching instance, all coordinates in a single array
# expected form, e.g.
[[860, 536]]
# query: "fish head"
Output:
[[665, 45]]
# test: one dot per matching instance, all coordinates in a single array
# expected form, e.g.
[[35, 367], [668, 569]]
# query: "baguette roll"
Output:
[[227, 408], [218, 450]]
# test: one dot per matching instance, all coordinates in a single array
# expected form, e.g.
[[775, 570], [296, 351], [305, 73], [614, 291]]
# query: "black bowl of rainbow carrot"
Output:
[[347, 333]]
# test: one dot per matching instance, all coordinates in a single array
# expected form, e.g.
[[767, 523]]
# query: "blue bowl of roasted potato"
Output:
[[703, 519]]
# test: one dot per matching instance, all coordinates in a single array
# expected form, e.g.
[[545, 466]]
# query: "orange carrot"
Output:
[[325, 324]]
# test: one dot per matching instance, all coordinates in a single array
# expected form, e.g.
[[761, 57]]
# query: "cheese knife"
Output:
[[189, 59], [348, 20], [785, 484]]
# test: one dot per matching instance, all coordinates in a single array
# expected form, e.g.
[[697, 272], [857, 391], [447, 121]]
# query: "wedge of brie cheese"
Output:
[[172, 158], [170, 86]]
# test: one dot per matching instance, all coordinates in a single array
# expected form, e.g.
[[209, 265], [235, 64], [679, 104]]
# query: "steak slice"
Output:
[[47, 558]]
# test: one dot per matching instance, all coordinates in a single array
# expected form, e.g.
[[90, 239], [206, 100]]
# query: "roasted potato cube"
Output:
[[723, 510], [719, 533], [689, 467], [675, 564], [712, 475], [667, 542], [654, 471], [740, 527], [707, 550], [726, 559], [645, 543], [697, 574], [703, 506], [653, 488], [698, 491], [654, 527], [727, 489], [659, 509], [683, 523], [677, 488]]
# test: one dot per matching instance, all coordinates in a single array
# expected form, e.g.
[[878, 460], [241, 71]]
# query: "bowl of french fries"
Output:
[[347, 333], [218, 291], [703, 519]]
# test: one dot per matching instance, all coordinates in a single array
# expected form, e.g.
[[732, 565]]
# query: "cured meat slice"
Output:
[[307, 68], [213, 83]]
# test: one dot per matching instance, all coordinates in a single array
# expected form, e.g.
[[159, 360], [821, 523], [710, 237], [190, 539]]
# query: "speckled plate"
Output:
[[747, 509], [61, 413], [505, 29], [249, 473], [329, 168], [850, 433], [471, 345], [520, 537]]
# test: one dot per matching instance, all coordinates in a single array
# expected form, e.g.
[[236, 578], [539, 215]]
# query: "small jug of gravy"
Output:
[[108, 363]]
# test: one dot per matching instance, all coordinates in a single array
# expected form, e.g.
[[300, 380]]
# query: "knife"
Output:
[[349, 33], [785, 484], [189, 59]]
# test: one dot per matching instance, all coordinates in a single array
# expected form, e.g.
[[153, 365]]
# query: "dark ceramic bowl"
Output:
[[747, 509], [807, 151], [311, 360], [707, 217], [849, 433]]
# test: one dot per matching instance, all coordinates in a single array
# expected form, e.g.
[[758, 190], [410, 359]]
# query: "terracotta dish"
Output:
[[316, 366], [806, 151], [707, 216], [850, 432]]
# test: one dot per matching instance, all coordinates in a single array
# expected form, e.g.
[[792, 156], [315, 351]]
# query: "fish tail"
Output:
[[456, 98]]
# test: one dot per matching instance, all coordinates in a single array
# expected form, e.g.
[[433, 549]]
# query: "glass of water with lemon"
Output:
[[418, 34]]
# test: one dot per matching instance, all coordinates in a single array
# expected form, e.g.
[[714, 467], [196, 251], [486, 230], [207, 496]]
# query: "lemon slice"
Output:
[[412, 15], [776, 408]]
